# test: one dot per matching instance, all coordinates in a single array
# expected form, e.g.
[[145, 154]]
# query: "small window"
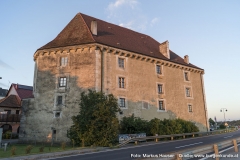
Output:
[[121, 62], [57, 114], [160, 88], [189, 108], [17, 111], [145, 105], [121, 82], [122, 102], [186, 76], [54, 131], [64, 61], [63, 82], [161, 105], [8, 111], [59, 100], [158, 69], [188, 92]]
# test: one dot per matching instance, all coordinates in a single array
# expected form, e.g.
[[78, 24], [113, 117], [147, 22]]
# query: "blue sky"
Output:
[[207, 31]]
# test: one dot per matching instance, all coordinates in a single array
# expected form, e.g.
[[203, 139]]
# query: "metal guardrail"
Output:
[[9, 118], [172, 136], [200, 152]]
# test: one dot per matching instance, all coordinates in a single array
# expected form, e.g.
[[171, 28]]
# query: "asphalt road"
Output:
[[137, 152]]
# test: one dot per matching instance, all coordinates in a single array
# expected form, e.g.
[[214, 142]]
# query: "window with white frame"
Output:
[[121, 82], [160, 88], [62, 82], [121, 63], [122, 103], [188, 92], [190, 109], [158, 69], [64, 61], [186, 76], [161, 105]]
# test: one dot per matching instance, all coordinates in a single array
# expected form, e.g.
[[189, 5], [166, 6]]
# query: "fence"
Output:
[[201, 152], [9, 118], [174, 136]]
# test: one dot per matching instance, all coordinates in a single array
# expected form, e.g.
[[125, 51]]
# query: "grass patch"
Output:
[[26, 149]]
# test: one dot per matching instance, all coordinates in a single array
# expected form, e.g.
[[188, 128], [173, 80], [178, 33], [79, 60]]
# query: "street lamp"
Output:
[[224, 110]]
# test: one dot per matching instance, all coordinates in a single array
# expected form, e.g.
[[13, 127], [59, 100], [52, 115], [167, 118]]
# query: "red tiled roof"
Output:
[[78, 32], [24, 91], [10, 101]]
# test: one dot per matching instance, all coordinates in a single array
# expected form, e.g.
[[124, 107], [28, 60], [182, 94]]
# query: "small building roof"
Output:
[[10, 101], [78, 31], [23, 91]]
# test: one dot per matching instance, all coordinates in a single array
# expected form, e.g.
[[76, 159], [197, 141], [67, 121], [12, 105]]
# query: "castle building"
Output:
[[148, 78]]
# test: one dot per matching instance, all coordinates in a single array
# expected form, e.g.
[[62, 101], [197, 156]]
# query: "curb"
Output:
[[54, 154]]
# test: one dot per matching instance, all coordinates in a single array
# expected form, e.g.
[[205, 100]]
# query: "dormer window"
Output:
[[64, 61]]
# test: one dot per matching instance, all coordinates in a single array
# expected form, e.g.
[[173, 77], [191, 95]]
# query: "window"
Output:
[[189, 108], [158, 69], [188, 93], [8, 111], [17, 111], [63, 82], [64, 61], [161, 105], [122, 102], [57, 114], [145, 105], [160, 88], [121, 62], [186, 76], [121, 82], [59, 100]]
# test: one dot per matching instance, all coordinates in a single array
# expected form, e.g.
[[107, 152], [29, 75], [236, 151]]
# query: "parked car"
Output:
[[211, 129]]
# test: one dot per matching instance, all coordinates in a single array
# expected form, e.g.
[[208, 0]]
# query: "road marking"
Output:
[[228, 136], [189, 145]]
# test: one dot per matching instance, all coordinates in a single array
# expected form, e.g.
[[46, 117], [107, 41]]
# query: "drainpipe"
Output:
[[102, 69], [204, 99]]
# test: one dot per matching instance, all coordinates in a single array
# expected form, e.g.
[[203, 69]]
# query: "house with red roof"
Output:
[[146, 76], [10, 106]]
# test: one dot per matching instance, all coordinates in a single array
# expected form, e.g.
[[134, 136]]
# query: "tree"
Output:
[[211, 122], [96, 124]]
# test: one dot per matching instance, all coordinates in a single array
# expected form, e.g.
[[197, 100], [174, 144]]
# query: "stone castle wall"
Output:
[[83, 71]]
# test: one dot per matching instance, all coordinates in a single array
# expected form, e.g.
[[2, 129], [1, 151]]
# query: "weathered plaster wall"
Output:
[[83, 71], [38, 118], [141, 86]]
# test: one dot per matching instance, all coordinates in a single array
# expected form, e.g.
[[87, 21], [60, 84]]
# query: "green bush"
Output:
[[131, 125], [28, 149]]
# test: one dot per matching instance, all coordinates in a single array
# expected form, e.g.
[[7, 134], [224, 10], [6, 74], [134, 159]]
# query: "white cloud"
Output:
[[119, 3], [128, 13], [154, 21], [128, 25]]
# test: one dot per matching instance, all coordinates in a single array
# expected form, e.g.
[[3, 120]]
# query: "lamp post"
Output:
[[224, 110]]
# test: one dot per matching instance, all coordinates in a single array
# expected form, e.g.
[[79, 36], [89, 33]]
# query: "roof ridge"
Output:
[[86, 26]]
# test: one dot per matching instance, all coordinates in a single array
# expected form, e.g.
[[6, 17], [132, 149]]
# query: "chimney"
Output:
[[94, 27], [164, 49], [186, 59]]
